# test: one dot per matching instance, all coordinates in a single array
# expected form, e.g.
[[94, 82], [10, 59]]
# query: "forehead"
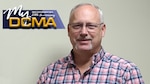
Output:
[[85, 13]]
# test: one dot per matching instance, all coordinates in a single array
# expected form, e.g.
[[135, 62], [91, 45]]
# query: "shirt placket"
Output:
[[76, 76]]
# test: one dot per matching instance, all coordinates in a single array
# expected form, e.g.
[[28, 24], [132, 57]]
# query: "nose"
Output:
[[84, 31]]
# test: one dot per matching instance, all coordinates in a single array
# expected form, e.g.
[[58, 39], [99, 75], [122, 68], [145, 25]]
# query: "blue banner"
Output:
[[17, 18]]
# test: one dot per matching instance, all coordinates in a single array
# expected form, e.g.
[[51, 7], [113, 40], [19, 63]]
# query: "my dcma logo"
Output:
[[17, 18]]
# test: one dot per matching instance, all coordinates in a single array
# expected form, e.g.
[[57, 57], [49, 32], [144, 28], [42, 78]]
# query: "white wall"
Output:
[[24, 53]]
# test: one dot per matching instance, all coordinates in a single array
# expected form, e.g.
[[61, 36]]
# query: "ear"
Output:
[[68, 29], [103, 30]]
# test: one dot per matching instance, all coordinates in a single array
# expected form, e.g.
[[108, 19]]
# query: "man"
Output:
[[87, 62]]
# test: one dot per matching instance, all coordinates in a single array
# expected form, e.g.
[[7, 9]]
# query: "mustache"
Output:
[[84, 39]]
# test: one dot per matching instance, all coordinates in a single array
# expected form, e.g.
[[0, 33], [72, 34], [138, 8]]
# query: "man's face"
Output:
[[85, 29]]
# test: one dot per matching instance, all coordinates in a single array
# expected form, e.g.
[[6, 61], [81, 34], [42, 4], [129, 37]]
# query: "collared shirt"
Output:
[[106, 69]]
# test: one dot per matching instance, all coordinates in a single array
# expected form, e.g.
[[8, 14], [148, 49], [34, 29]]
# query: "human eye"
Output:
[[91, 26], [76, 26]]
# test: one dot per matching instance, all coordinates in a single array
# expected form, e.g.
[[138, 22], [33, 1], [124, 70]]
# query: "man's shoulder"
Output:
[[116, 60], [60, 63]]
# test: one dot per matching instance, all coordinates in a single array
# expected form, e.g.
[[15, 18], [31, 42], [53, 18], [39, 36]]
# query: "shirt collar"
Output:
[[96, 57]]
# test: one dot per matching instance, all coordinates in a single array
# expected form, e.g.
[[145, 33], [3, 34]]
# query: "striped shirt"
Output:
[[106, 69]]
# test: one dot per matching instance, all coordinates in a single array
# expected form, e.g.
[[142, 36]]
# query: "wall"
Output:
[[24, 53]]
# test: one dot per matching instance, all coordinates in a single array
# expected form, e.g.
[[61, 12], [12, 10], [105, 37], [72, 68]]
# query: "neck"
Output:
[[83, 59]]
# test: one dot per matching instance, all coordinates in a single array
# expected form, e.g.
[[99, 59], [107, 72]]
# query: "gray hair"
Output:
[[100, 11]]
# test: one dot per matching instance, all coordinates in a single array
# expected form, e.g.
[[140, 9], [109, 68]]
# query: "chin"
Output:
[[84, 48]]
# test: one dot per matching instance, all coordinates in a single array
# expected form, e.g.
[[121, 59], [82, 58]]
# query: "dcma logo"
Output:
[[17, 18]]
